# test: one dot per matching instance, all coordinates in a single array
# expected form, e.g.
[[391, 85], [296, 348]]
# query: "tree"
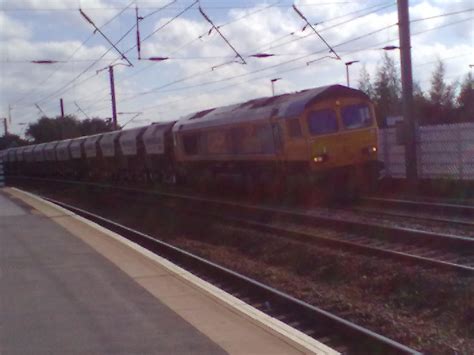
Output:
[[387, 89], [465, 99], [48, 129], [441, 96], [95, 125], [420, 104], [11, 141], [365, 84]]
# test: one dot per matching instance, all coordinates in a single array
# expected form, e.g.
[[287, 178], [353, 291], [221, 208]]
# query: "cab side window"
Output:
[[322, 122], [356, 116], [191, 144], [294, 128]]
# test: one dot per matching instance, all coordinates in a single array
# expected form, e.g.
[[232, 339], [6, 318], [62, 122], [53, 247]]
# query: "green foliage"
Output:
[[48, 129], [11, 141], [441, 94], [365, 84], [443, 103], [465, 99], [387, 89]]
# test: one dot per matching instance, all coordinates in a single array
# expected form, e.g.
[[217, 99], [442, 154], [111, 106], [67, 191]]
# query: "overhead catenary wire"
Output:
[[158, 88], [340, 44], [97, 29], [199, 37], [443, 26], [68, 86], [293, 60], [336, 25], [103, 55], [373, 9], [78, 48], [220, 7], [159, 28], [295, 68], [158, 10], [442, 15], [214, 27], [93, 64], [308, 24]]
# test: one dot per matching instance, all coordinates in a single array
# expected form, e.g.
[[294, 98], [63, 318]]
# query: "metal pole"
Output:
[[407, 92], [112, 94], [9, 114], [273, 84], [5, 126], [138, 18], [347, 75], [62, 107]]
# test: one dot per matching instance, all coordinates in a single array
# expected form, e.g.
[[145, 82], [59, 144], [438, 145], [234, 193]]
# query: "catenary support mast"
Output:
[[407, 93], [112, 94]]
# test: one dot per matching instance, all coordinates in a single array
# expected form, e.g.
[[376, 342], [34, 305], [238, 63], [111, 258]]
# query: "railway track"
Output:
[[441, 208], [414, 216], [431, 249], [436, 250], [336, 332]]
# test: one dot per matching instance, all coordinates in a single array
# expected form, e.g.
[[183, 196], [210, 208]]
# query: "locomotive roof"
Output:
[[281, 106]]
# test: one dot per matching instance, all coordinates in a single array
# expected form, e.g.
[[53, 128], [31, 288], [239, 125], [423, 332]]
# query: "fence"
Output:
[[444, 151]]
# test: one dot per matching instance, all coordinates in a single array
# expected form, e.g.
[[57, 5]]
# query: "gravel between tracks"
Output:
[[430, 311]]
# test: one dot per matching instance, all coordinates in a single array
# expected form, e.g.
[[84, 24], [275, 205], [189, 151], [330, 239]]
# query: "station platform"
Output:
[[70, 286]]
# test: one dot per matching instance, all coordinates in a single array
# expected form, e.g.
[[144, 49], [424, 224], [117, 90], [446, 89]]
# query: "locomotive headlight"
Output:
[[370, 150], [320, 158]]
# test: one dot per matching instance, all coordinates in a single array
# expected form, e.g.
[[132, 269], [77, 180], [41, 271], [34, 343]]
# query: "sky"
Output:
[[203, 70]]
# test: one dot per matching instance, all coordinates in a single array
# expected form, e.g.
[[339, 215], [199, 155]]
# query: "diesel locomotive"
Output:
[[328, 132]]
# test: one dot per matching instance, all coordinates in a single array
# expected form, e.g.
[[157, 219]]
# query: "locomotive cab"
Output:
[[324, 132], [333, 136]]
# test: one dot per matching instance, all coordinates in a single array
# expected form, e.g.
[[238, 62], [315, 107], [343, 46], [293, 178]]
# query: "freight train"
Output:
[[328, 132]]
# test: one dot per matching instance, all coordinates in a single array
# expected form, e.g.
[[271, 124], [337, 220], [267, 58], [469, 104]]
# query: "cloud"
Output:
[[186, 82], [12, 29]]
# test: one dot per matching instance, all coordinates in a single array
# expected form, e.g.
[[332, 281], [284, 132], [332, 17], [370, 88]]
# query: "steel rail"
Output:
[[397, 213], [352, 337], [367, 249], [245, 213], [438, 207]]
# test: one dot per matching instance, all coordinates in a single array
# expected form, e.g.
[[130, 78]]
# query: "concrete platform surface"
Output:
[[69, 286], [60, 296]]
